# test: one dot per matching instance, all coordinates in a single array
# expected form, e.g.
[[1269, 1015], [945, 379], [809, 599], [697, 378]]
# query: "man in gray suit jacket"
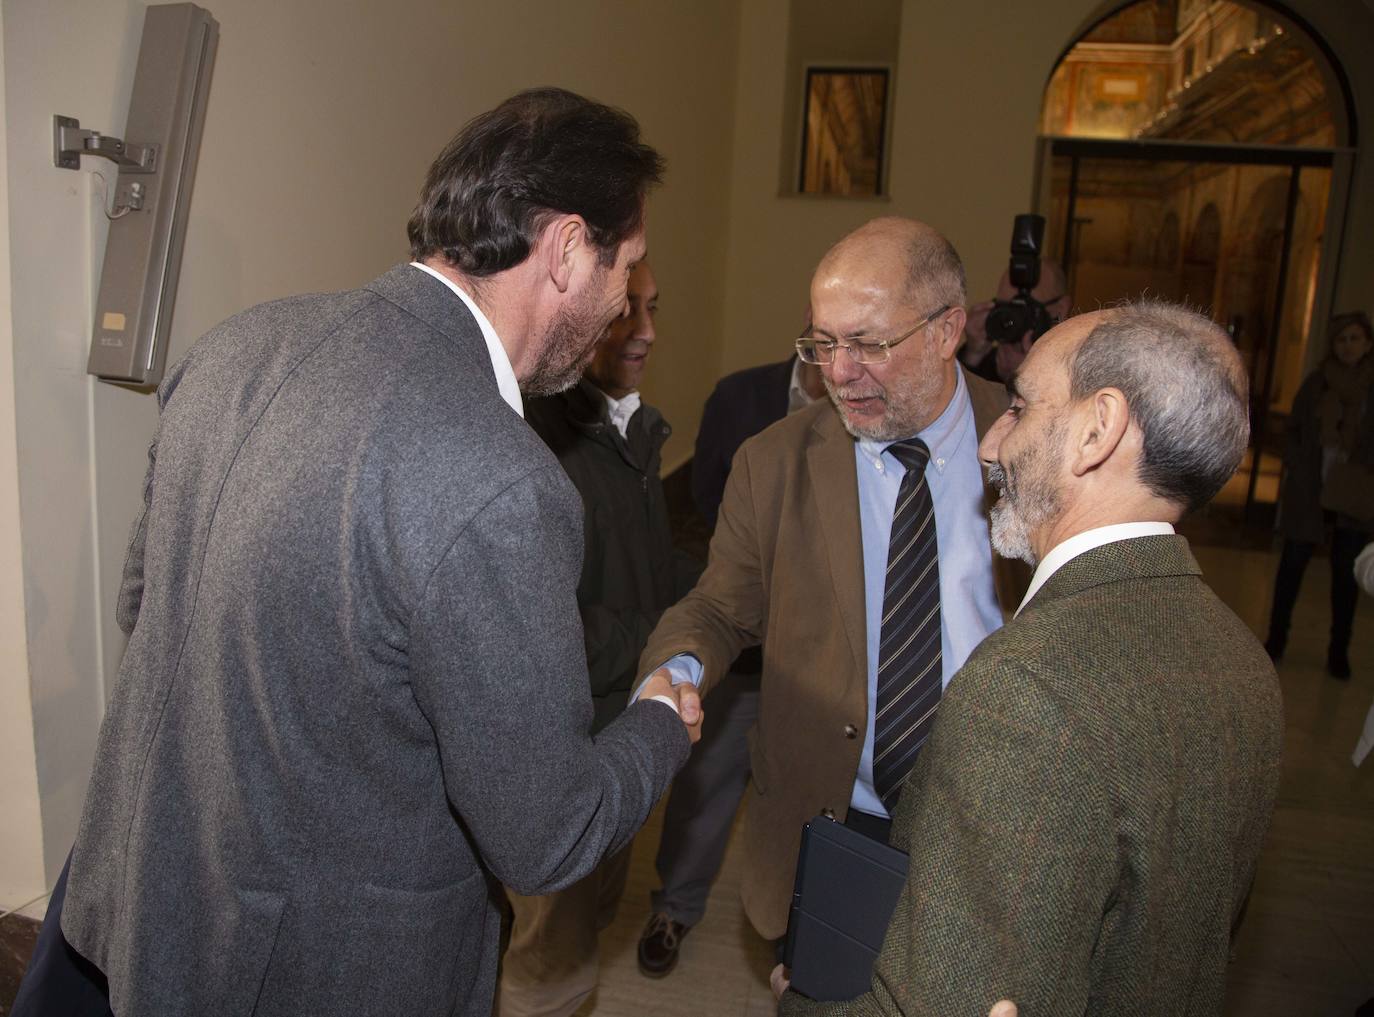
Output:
[[354, 694]]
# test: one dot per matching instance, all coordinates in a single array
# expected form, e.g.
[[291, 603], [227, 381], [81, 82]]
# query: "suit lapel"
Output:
[[835, 486]]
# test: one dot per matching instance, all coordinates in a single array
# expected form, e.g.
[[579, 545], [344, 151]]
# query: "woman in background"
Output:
[[1328, 483]]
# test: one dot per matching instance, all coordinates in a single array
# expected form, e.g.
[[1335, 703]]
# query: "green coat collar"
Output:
[[1135, 558]]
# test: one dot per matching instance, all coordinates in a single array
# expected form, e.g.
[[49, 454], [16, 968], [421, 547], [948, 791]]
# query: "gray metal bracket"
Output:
[[70, 143]]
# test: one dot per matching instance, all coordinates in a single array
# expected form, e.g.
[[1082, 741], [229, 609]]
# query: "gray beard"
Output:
[[879, 433], [1009, 536], [899, 422], [1011, 522]]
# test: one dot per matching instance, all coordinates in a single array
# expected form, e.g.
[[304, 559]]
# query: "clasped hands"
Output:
[[685, 695]]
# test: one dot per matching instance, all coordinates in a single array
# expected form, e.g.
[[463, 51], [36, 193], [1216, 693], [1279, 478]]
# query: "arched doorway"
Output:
[[1189, 150]]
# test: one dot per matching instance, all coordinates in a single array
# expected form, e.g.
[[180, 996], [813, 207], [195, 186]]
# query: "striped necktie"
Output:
[[909, 671]]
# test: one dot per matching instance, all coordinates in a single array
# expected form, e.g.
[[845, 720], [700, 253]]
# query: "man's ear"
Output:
[[559, 245], [951, 331], [1102, 421]]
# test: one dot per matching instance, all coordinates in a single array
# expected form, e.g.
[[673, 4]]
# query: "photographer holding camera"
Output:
[[1032, 297]]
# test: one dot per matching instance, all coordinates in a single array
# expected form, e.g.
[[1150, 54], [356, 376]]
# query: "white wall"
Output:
[[55, 231], [322, 118], [21, 853]]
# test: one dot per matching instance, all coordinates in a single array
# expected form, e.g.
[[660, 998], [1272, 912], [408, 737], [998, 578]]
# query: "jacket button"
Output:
[[828, 813], [850, 731]]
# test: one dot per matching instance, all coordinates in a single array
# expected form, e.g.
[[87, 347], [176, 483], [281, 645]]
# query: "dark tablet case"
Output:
[[847, 886]]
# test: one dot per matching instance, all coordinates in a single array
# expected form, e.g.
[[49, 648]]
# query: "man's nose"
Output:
[[843, 368], [992, 441], [644, 327]]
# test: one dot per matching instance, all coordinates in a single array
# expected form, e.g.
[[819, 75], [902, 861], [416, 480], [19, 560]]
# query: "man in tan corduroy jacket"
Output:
[[1084, 822]]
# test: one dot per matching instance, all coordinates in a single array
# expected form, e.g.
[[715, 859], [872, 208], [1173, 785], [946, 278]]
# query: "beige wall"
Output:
[[866, 35], [323, 116], [970, 76], [21, 852]]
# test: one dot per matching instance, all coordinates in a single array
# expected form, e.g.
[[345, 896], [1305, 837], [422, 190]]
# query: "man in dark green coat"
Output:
[[609, 443], [1084, 822]]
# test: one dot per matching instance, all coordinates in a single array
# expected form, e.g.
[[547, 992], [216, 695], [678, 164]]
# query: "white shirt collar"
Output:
[[506, 383], [621, 410], [1066, 551]]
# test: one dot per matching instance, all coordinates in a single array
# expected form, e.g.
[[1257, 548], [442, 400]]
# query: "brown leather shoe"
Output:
[[659, 943]]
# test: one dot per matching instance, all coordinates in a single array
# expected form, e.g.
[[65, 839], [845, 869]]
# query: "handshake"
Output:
[[684, 697]]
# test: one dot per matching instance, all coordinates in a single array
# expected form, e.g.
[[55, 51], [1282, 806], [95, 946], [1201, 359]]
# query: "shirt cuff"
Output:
[[666, 701], [682, 668]]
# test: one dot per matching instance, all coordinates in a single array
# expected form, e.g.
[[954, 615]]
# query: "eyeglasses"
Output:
[[861, 349]]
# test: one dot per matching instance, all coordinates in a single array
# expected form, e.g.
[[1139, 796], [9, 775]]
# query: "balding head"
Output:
[[1133, 414], [1186, 388], [896, 284], [895, 248]]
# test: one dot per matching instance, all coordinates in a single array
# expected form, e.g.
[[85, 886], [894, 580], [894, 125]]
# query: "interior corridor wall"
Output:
[[21, 854], [968, 89], [323, 116]]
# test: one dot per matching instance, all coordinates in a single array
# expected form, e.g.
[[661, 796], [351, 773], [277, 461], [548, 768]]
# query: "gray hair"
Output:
[[935, 270], [1186, 390]]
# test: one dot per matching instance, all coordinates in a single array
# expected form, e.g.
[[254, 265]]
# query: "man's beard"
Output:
[[569, 342], [1027, 500], [907, 409]]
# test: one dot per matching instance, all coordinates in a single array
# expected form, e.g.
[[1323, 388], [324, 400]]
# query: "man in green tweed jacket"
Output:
[[1084, 821]]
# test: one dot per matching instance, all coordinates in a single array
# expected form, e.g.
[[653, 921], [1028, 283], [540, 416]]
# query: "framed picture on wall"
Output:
[[844, 131]]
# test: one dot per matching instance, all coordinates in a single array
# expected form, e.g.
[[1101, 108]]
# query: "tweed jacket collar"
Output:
[[426, 298], [1135, 558]]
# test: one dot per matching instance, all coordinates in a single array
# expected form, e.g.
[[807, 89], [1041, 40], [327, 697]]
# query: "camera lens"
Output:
[[1008, 322]]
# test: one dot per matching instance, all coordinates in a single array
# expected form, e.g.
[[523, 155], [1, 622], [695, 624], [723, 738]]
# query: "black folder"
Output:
[[846, 889]]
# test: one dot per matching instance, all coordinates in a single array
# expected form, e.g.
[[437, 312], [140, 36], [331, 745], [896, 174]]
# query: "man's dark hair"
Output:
[[541, 153], [1186, 389]]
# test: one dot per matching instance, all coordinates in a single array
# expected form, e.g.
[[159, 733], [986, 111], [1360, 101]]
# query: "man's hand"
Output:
[[779, 980], [685, 695]]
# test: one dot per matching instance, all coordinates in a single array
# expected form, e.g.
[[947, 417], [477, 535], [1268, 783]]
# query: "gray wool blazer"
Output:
[[355, 690]]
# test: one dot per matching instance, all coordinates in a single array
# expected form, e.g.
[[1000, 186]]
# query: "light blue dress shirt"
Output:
[[969, 611]]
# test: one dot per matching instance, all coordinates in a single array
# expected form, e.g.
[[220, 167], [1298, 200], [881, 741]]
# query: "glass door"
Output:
[[1235, 231]]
